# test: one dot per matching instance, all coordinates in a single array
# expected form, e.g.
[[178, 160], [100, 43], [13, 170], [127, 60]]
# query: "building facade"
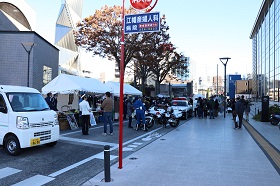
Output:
[[26, 59], [265, 37], [69, 15], [15, 64]]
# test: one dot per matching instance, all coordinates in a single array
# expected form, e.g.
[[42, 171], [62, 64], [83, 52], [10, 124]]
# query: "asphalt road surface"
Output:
[[75, 159]]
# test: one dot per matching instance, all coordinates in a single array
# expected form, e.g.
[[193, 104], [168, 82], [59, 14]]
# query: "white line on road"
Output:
[[37, 180], [87, 141], [7, 171], [114, 146]]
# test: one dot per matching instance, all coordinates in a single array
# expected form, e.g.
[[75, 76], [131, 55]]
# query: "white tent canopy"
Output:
[[69, 84], [198, 95], [127, 89]]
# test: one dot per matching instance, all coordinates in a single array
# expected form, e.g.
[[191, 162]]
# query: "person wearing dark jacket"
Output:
[[129, 112], [239, 110]]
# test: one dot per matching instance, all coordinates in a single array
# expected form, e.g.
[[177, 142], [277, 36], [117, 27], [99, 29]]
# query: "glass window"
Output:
[[47, 75]]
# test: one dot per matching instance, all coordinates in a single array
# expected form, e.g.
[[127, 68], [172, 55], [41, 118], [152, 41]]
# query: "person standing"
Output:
[[247, 109], [116, 108], [210, 107], [55, 102], [85, 110], [140, 113], [107, 107], [50, 100], [239, 110], [129, 112]]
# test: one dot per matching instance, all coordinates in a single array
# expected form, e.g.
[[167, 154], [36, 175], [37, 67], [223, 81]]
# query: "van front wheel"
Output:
[[12, 146]]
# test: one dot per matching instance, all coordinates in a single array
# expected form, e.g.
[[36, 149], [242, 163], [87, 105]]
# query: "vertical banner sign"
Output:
[[146, 22]]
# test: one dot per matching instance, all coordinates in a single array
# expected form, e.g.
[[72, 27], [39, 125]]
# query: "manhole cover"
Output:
[[133, 158]]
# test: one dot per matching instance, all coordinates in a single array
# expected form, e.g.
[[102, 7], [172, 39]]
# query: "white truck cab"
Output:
[[25, 119]]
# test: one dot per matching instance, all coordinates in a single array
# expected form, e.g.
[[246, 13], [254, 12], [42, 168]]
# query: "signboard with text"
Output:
[[146, 22]]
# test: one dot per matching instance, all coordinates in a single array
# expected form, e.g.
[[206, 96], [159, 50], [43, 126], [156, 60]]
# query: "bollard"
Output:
[[107, 163]]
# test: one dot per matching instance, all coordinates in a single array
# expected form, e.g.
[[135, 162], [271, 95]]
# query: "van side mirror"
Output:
[[3, 109]]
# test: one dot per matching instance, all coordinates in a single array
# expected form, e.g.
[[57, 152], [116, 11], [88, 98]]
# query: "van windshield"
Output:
[[26, 101]]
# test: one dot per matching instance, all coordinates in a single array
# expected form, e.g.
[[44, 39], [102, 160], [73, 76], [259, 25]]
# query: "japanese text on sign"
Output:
[[148, 22]]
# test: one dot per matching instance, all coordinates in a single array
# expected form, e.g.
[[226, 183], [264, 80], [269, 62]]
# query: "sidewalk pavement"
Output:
[[200, 152]]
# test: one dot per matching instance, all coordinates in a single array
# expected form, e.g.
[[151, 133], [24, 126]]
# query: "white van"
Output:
[[25, 119]]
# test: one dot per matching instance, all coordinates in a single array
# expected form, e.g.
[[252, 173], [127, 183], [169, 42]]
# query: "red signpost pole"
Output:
[[121, 91]]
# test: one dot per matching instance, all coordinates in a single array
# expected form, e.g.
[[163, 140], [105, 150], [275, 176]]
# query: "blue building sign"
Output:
[[146, 22], [231, 90]]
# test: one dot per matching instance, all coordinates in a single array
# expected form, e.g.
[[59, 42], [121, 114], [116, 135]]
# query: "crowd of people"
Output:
[[202, 108]]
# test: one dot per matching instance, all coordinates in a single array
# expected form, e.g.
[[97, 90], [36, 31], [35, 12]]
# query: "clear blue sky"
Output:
[[203, 30]]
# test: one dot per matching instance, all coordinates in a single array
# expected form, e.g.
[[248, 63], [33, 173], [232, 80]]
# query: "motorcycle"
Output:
[[172, 116], [149, 121], [275, 119]]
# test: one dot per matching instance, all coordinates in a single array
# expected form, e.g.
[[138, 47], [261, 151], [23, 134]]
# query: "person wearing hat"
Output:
[[140, 113], [85, 110], [107, 107]]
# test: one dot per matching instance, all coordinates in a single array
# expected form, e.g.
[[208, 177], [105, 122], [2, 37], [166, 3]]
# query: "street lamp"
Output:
[[224, 60], [28, 47]]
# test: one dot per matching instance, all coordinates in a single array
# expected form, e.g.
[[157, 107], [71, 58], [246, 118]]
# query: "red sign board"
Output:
[[140, 4]]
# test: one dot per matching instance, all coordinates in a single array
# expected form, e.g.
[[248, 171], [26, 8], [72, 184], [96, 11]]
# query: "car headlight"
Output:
[[56, 119], [22, 122]]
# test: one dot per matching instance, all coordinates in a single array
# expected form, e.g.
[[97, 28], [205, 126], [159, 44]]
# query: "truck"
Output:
[[25, 119]]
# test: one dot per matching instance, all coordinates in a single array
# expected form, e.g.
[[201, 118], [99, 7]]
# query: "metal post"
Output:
[[121, 91], [107, 172], [225, 88], [225, 91], [28, 47], [217, 82]]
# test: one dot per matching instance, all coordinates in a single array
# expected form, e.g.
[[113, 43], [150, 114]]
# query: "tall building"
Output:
[[265, 37], [69, 59]]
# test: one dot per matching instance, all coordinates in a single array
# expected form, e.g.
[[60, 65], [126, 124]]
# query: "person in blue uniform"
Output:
[[140, 113]]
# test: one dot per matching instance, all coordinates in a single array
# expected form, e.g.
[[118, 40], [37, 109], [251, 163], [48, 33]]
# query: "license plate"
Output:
[[35, 141]]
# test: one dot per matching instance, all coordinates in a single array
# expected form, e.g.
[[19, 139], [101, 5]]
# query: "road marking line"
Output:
[[97, 155], [137, 143], [127, 149], [87, 141], [7, 171], [37, 180]]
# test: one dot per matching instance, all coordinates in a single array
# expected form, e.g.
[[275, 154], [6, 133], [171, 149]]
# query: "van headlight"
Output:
[[22, 122], [56, 119]]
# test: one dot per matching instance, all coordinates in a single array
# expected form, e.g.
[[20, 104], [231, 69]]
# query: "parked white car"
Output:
[[183, 105]]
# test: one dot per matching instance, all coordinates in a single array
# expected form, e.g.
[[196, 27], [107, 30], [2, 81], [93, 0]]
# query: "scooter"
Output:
[[275, 119]]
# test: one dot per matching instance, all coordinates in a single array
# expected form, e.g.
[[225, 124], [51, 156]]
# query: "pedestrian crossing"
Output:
[[36, 180]]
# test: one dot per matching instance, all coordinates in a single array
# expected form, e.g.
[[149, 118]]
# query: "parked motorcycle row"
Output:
[[159, 116]]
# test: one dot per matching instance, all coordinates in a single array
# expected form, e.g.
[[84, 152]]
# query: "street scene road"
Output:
[[75, 159]]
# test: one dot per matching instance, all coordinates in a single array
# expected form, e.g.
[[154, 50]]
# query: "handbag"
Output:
[[236, 119]]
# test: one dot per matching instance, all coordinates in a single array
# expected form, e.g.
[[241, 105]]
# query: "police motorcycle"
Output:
[[149, 121], [172, 116], [155, 115]]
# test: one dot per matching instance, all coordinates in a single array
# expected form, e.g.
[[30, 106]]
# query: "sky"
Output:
[[203, 30]]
